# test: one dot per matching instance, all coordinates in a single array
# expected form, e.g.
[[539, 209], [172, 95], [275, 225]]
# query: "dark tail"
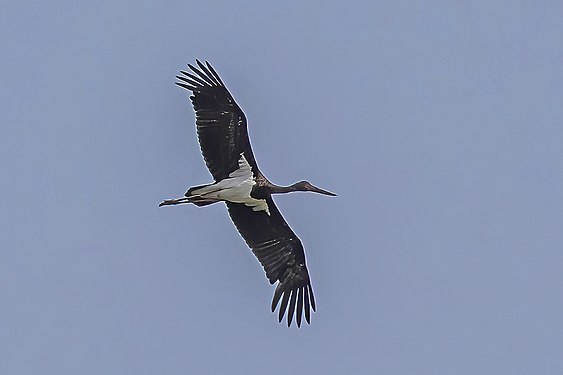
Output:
[[190, 190], [198, 200]]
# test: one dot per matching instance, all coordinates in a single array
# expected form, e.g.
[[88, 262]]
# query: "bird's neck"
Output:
[[283, 189]]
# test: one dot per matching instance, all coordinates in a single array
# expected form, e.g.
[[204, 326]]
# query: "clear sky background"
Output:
[[438, 123]]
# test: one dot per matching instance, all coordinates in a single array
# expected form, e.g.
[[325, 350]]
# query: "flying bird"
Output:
[[223, 138]]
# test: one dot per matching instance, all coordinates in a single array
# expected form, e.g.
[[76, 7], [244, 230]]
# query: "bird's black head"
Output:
[[307, 186]]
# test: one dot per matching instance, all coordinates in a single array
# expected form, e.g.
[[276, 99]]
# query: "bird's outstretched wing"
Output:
[[281, 254], [221, 124]]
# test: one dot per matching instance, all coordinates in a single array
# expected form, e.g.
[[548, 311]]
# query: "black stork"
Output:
[[223, 138]]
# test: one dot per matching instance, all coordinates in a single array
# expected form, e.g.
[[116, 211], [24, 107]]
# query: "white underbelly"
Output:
[[236, 189], [235, 194]]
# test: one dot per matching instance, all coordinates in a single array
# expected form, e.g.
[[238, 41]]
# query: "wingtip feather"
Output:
[[283, 305], [214, 73], [313, 306], [187, 87], [307, 306], [299, 307], [277, 296], [291, 310], [207, 73]]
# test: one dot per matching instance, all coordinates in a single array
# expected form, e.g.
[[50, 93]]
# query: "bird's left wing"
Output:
[[281, 254], [221, 124]]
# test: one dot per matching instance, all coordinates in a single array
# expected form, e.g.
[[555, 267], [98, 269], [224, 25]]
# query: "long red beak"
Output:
[[321, 191]]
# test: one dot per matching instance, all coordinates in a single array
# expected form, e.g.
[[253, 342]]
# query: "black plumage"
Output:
[[223, 138]]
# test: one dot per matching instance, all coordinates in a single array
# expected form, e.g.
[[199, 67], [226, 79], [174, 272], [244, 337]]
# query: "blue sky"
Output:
[[437, 123]]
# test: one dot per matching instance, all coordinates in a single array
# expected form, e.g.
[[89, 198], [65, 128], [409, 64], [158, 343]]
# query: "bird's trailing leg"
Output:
[[197, 200], [170, 202]]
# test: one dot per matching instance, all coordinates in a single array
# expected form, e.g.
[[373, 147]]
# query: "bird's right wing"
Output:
[[281, 254], [221, 124]]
